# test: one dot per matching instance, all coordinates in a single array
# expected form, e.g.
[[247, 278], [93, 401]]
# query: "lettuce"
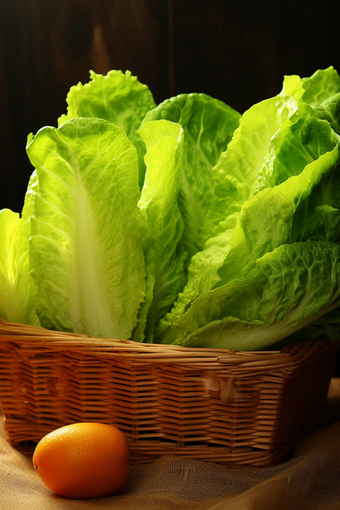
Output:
[[321, 91], [159, 205], [288, 288], [17, 291], [117, 97], [184, 222], [208, 126], [236, 174], [86, 254]]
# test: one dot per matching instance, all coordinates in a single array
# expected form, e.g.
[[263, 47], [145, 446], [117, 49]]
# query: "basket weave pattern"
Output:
[[238, 408]]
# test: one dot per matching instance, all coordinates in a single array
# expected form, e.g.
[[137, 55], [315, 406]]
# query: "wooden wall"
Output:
[[235, 51]]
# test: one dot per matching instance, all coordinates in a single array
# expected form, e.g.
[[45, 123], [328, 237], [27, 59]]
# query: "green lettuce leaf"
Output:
[[159, 205], [323, 225], [117, 97], [17, 291], [267, 221], [301, 139], [86, 231], [208, 126], [288, 288], [237, 170], [321, 91]]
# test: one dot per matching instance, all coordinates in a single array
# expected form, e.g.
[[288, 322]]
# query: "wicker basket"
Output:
[[231, 407]]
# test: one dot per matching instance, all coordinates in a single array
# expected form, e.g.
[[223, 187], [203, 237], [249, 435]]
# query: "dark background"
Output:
[[235, 51]]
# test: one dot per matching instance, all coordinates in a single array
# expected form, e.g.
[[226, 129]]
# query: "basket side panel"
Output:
[[243, 409], [43, 391]]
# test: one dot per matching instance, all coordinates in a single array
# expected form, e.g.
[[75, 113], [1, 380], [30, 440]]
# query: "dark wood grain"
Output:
[[236, 52], [240, 51]]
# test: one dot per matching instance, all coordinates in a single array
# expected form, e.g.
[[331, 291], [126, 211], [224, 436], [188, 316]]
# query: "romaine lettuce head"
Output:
[[235, 178], [301, 161], [184, 223]]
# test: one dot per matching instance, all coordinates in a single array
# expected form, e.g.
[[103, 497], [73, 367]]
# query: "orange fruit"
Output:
[[83, 460]]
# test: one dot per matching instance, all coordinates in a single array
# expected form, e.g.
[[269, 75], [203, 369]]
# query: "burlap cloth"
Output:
[[309, 479]]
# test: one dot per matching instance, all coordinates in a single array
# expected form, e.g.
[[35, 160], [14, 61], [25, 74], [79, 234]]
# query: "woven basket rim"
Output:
[[51, 339]]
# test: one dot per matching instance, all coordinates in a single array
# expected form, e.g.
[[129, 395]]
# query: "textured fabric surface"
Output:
[[309, 479]]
